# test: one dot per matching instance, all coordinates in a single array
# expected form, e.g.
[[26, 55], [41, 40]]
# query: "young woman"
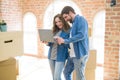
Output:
[[58, 54]]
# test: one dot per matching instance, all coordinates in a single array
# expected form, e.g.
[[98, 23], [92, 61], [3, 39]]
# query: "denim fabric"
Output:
[[62, 50], [79, 37], [52, 66], [69, 67], [77, 64], [80, 65], [56, 68]]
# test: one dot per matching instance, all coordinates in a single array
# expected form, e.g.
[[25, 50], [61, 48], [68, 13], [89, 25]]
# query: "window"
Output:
[[98, 35], [30, 33]]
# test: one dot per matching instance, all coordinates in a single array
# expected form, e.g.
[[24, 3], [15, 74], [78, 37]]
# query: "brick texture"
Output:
[[11, 12], [112, 41]]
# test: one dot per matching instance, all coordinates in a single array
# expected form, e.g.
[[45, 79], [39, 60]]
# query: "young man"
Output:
[[79, 44]]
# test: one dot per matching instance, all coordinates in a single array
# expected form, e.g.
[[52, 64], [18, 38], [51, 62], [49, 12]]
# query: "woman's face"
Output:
[[59, 23]]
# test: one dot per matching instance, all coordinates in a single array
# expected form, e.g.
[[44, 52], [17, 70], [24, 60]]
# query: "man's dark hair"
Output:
[[67, 9]]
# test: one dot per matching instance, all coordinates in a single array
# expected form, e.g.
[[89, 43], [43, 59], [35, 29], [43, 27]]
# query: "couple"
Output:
[[75, 39]]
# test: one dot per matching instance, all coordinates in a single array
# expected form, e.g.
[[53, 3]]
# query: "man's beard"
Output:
[[71, 21]]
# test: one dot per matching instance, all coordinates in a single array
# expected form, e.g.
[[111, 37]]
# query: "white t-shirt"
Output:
[[72, 52]]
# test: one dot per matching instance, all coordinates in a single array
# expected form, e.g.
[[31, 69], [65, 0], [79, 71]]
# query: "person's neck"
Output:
[[73, 16]]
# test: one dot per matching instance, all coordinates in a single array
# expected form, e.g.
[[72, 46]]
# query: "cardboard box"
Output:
[[90, 74], [90, 67], [91, 64], [11, 44], [8, 69], [90, 32]]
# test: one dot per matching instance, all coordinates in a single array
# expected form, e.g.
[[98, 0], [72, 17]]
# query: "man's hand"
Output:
[[59, 40]]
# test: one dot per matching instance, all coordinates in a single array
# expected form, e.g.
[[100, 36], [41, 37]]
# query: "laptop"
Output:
[[46, 35]]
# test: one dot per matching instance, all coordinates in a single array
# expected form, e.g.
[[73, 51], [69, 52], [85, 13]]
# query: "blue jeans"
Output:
[[77, 64], [56, 68]]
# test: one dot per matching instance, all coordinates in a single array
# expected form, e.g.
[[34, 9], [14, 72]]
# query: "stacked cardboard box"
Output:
[[8, 69], [90, 67], [11, 45]]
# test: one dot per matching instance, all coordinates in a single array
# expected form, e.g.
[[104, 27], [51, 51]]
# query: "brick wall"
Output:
[[112, 41], [11, 12], [89, 9], [37, 7], [15, 9]]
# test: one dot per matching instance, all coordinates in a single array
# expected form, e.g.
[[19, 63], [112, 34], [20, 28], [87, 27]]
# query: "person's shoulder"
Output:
[[78, 17], [81, 18], [66, 32]]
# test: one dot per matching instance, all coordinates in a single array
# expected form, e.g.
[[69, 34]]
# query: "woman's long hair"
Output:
[[66, 26]]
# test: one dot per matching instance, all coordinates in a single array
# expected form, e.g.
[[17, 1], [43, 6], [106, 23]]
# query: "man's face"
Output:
[[67, 17]]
